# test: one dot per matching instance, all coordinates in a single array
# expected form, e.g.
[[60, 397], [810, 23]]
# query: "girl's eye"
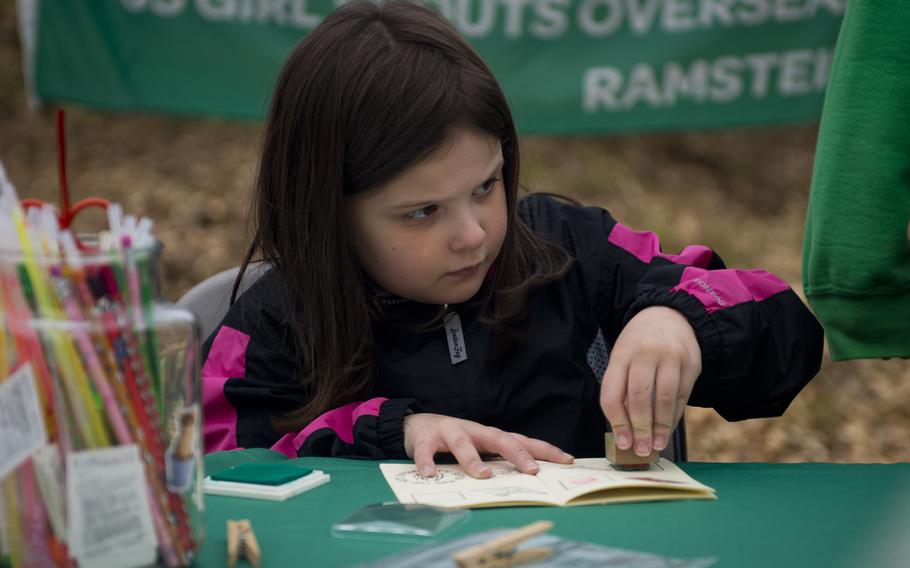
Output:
[[487, 187], [421, 214]]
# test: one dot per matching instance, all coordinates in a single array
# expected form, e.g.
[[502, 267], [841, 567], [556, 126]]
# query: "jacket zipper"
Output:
[[459, 380]]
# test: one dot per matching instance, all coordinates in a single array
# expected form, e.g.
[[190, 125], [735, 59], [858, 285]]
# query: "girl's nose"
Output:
[[469, 233]]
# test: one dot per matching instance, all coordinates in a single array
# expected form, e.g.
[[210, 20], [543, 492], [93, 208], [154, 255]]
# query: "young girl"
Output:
[[415, 305]]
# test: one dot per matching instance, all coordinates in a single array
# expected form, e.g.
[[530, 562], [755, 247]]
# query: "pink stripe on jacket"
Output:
[[721, 289], [645, 246], [341, 420], [227, 358], [715, 289]]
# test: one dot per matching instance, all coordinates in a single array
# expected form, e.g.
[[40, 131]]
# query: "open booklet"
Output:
[[588, 481]]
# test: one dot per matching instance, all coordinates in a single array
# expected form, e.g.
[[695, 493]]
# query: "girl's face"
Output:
[[432, 233]]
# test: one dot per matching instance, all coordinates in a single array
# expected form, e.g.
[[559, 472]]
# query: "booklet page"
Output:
[[452, 487], [589, 476], [588, 480]]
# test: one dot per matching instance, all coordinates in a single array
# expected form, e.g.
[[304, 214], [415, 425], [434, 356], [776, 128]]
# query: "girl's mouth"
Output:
[[466, 272]]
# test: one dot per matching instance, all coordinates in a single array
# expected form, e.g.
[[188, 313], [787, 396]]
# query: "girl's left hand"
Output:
[[652, 369]]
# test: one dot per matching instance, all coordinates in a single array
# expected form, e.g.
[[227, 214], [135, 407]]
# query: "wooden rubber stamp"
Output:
[[627, 459]]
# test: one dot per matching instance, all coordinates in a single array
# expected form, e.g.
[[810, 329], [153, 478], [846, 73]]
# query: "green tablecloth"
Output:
[[775, 515]]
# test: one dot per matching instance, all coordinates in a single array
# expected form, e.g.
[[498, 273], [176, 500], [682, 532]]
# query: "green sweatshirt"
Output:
[[856, 258]]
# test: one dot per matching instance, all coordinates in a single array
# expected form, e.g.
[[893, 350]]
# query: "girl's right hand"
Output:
[[425, 435]]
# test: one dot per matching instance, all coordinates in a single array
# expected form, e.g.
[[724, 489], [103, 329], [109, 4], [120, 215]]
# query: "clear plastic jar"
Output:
[[111, 375]]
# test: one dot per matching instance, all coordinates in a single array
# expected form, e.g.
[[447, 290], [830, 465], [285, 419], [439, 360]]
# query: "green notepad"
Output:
[[262, 473]]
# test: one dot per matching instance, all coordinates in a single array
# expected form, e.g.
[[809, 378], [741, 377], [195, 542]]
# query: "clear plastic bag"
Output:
[[566, 554], [404, 522]]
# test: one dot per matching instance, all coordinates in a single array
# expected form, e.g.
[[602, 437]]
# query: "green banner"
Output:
[[568, 66]]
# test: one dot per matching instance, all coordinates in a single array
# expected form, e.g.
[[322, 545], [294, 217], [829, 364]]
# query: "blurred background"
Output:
[[743, 192]]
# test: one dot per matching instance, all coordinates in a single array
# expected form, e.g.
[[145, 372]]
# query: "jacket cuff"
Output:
[[707, 332], [864, 327], [390, 431]]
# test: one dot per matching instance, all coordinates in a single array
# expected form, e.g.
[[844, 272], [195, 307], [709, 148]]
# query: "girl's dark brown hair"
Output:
[[371, 91]]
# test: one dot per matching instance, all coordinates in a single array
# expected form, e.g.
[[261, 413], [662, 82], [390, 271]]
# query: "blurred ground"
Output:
[[742, 192]]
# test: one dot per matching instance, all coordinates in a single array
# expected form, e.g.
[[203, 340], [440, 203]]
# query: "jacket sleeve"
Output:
[[856, 255], [759, 342], [249, 380]]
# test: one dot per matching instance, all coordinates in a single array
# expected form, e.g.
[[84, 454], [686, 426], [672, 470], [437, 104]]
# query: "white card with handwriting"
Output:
[[110, 522], [22, 430]]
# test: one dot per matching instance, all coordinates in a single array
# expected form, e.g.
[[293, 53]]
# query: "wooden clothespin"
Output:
[[242, 543], [628, 460], [185, 436], [500, 552]]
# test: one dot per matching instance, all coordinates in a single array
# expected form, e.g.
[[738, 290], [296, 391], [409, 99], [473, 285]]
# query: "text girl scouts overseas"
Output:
[[417, 305]]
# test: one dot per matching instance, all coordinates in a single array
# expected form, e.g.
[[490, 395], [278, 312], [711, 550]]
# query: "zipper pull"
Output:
[[455, 337]]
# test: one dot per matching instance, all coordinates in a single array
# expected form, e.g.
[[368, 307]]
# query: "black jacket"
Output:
[[759, 343]]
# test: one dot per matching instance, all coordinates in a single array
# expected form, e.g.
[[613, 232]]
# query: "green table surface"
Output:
[[805, 514]]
